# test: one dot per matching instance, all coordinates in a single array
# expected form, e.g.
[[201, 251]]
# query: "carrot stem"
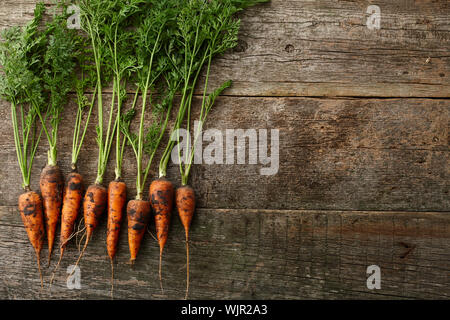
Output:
[[76, 146]]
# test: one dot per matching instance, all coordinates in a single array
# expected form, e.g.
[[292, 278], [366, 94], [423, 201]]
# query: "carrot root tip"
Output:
[[112, 279], [40, 272]]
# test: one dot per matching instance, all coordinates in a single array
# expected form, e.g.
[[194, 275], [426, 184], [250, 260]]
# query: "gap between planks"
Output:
[[324, 97], [441, 214]]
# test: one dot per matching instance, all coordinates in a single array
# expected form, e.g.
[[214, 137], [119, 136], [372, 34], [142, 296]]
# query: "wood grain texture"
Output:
[[324, 48], [345, 154], [252, 254], [363, 117]]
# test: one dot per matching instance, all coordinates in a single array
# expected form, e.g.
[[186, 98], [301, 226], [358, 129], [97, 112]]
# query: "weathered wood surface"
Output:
[[253, 254], [346, 154], [363, 177], [324, 47]]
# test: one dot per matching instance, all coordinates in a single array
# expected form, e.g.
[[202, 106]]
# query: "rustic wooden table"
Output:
[[363, 116]]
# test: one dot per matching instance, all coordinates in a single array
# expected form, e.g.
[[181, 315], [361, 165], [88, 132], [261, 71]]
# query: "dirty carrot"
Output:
[[107, 30], [117, 197], [30, 208], [94, 205], [22, 86], [185, 202], [206, 29], [59, 62], [73, 195], [162, 196], [151, 41], [138, 212], [51, 185], [118, 42], [93, 22], [74, 187]]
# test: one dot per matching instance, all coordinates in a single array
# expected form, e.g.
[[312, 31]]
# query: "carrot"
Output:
[[150, 40], [59, 61], [73, 194], [138, 214], [161, 197], [109, 36], [94, 206], [117, 197], [196, 18], [185, 201], [30, 207], [52, 185], [20, 48]]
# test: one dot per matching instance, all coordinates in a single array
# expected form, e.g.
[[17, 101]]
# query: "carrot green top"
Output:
[[37, 73], [204, 29]]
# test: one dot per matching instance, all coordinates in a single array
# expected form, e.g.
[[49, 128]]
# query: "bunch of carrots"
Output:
[[159, 49]]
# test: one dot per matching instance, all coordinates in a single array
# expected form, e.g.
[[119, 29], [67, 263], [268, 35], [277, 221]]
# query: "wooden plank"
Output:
[[252, 254], [324, 48], [306, 232], [345, 154]]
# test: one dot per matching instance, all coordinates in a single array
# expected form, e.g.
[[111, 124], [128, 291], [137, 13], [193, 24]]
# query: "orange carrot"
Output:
[[52, 185], [185, 200], [138, 213], [72, 197], [94, 206], [161, 197], [71, 206], [30, 207], [117, 197]]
